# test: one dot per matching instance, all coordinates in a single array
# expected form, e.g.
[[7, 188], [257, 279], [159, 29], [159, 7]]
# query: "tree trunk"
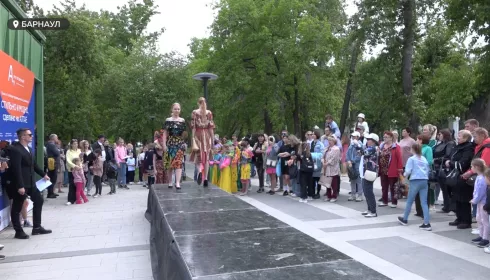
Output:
[[409, 22], [296, 120], [356, 46], [268, 126]]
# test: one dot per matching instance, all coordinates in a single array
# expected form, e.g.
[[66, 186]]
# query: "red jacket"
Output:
[[396, 163], [486, 151]]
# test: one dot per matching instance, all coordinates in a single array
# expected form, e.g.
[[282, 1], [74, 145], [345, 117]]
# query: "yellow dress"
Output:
[[245, 171], [225, 180], [234, 177], [215, 175]]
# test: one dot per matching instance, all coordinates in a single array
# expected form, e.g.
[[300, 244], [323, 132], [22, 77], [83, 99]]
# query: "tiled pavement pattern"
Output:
[[404, 253], [106, 238]]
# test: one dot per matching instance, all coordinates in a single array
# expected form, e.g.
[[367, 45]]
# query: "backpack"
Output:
[[307, 164]]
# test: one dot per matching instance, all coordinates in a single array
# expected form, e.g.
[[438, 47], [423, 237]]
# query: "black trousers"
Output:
[[318, 187], [72, 189], [130, 177], [53, 176], [260, 173], [140, 174], [306, 183], [104, 171], [151, 180], [446, 197], [463, 212], [18, 202], [98, 184]]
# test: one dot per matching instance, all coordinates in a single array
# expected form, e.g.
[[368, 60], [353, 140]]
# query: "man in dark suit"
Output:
[[21, 184]]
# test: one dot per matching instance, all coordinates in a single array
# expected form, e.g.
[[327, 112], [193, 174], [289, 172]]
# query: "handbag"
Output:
[[271, 163], [370, 175], [433, 177], [195, 147], [352, 172], [325, 181], [471, 180], [453, 176]]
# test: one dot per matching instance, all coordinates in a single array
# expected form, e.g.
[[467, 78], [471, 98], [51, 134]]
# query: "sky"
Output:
[[182, 19]]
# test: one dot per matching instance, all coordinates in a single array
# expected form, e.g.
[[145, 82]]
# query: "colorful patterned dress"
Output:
[[225, 175], [215, 169], [203, 138], [175, 142], [245, 164]]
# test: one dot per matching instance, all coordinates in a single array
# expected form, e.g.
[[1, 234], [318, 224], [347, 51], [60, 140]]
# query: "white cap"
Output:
[[356, 134], [373, 136], [361, 115]]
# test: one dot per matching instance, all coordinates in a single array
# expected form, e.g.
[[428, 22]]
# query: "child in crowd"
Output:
[[486, 207], [98, 169], [214, 164], [79, 180], [131, 162], [479, 198], [245, 166], [112, 170]]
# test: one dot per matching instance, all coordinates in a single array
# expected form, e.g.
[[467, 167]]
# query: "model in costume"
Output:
[[174, 140], [202, 138]]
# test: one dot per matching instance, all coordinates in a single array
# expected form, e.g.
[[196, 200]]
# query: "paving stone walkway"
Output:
[[107, 238], [399, 252]]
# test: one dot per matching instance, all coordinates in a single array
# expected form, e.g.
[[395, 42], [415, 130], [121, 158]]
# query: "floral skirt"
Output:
[[161, 175], [234, 178], [245, 172]]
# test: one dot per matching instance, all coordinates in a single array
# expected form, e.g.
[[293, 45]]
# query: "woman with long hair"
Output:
[[158, 162], [202, 125], [174, 134], [72, 153]]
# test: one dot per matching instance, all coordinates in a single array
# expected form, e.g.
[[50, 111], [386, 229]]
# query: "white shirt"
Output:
[[103, 151], [141, 157], [131, 164]]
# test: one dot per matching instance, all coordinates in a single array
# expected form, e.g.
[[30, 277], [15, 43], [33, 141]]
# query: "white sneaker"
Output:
[[392, 205], [475, 231], [371, 215], [381, 204], [309, 198], [364, 213], [303, 200], [351, 198], [333, 200], [487, 250], [359, 197], [451, 213], [293, 194], [68, 203]]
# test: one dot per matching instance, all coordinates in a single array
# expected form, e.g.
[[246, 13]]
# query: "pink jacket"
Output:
[[78, 175], [120, 154]]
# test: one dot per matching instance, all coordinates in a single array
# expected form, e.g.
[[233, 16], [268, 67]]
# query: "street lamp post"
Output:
[[205, 77], [152, 118]]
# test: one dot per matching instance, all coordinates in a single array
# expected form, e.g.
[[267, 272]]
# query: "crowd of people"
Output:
[[415, 167]]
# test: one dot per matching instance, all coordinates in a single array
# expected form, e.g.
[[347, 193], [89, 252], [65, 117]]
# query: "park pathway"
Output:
[[106, 238]]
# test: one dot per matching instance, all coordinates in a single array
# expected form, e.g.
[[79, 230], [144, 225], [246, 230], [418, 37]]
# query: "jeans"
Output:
[[420, 187], [112, 184], [356, 186], [98, 184], [474, 210], [18, 202], [367, 187], [88, 185], [66, 179], [295, 185], [306, 183], [121, 178]]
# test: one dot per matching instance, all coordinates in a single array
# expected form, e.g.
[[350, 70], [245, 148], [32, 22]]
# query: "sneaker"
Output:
[[2, 257], [426, 227], [483, 244], [371, 215], [316, 196], [27, 223], [487, 250], [364, 213], [402, 221], [392, 205], [432, 208], [309, 198], [351, 198], [333, 200], [293, 194], [475, 231], [359, 198], [68, 203], [451, 213], [327, 199], [477, 240], [271, 192], [286, 193], [1, 247], [380, 200], [303, 200], [382, 204], [126, 187]]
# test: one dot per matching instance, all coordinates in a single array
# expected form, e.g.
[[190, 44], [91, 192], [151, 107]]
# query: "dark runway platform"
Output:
[[206, 233]]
